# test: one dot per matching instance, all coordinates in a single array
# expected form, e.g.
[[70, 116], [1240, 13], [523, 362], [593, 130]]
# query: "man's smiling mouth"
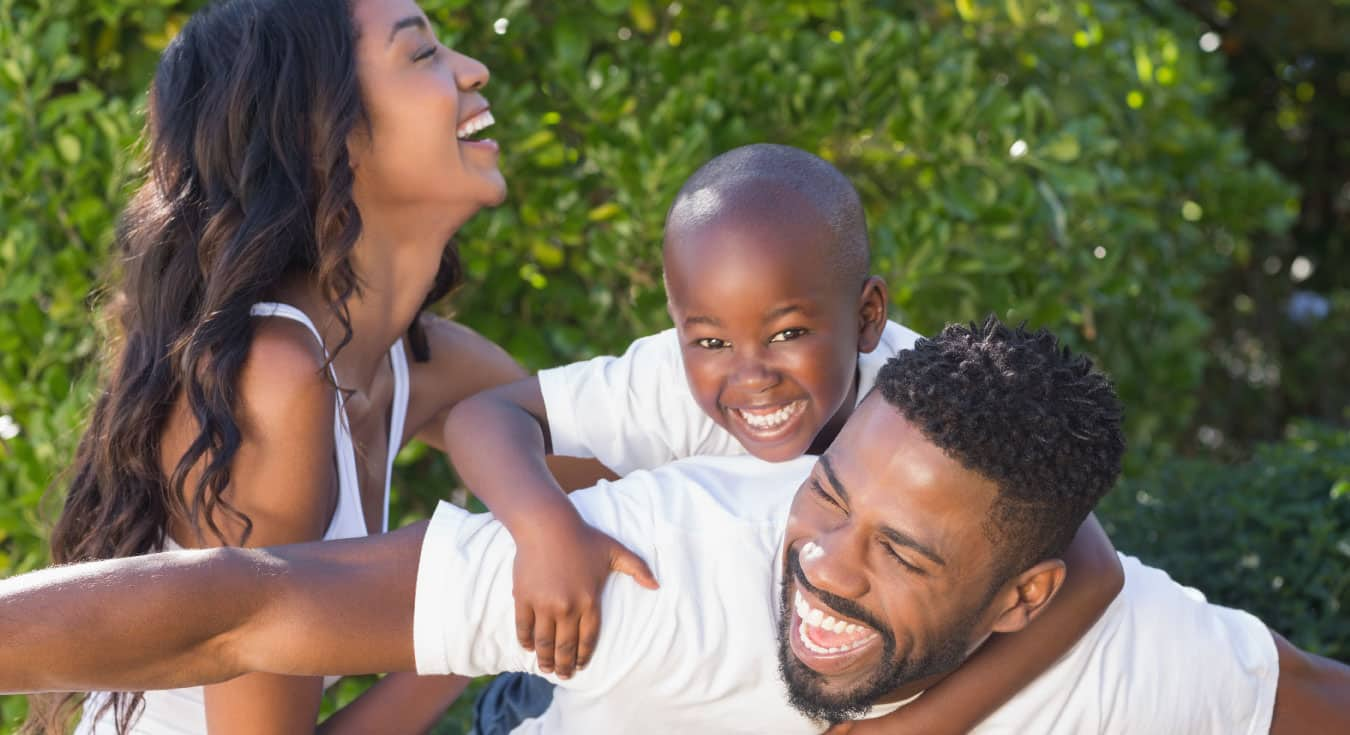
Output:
[[823, 633], [826, 642]]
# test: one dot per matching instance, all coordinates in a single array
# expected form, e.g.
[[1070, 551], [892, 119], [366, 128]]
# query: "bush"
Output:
[[1048, 161], [1271, 535]]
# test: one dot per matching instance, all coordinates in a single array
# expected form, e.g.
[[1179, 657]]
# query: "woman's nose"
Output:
[[470, 73]]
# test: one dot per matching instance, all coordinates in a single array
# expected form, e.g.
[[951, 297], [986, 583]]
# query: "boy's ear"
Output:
[[872, 304], [1027, 594]]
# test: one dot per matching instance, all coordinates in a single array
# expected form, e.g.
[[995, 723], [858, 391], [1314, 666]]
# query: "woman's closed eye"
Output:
[[426, 52]]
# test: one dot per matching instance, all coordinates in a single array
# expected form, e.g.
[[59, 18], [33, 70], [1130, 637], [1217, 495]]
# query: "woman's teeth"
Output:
[[772, 420], [474, 124], [849, 635]]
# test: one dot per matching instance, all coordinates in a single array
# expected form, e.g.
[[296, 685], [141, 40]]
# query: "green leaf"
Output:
[[69, 147], [611, 7]]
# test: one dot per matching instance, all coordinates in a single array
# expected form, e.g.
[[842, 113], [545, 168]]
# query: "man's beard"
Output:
[[806, 690]]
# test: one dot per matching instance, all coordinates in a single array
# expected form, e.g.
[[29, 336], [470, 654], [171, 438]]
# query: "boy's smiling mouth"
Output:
[[769, 422]]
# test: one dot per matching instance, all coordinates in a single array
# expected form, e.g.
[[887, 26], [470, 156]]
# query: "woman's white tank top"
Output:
[[183, 711]]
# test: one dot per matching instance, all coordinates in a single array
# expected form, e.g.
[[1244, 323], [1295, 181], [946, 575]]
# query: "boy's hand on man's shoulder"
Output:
[[560, 570]]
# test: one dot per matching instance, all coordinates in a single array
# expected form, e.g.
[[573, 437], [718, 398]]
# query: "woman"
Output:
[[308, 163]]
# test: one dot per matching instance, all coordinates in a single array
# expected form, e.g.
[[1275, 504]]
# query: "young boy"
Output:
[[779, 333]]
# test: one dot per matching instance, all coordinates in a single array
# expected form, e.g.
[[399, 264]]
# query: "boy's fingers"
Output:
[[590, 633], [565, 648], [525, 625], [626, 562], [543, 642]]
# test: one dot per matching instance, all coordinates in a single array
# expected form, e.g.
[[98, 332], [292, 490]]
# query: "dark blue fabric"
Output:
[[509, 700]]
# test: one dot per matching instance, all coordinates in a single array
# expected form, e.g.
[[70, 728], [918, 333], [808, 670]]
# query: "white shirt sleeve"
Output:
[[630, 412], [464, 614]]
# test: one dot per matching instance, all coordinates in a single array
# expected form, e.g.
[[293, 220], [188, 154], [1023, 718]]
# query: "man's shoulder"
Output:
[[896, 337], [1134, 670], [700, 491]]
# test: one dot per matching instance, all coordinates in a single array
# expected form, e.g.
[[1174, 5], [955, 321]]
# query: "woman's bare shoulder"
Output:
[[283, 476], [461, 362]]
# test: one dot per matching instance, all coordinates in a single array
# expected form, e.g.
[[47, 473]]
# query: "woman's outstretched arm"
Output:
[[195, 617]]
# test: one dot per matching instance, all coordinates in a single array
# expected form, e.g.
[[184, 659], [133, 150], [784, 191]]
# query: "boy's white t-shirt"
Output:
[[699, 654], [635, 411]]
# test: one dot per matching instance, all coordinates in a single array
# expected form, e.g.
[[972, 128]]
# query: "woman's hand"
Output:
[[560, 570]]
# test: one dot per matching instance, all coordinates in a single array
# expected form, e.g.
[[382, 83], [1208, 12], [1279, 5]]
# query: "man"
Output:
[[933, 521]]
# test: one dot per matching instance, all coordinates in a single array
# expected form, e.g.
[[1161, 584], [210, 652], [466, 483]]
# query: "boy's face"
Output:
[[770, 332]]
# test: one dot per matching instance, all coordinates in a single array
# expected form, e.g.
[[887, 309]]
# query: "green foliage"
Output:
[[1271, 535], [1047, 161], [69, 118], [1290, 93]]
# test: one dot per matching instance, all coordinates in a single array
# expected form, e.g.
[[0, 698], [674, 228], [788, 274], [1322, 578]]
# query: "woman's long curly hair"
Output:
[[247, 182]]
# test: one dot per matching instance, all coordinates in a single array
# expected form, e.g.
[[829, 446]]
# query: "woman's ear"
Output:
[[358, 144], [872, 303]]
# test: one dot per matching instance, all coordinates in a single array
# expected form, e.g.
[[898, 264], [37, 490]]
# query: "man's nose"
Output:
[[833, 562]]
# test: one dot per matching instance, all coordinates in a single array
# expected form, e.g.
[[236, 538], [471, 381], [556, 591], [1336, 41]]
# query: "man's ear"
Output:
[[1027, 594], [872, 303]]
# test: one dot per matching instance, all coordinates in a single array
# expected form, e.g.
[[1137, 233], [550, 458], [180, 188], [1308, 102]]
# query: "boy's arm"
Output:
[[196, 617], [497, 441], [1009, 662]]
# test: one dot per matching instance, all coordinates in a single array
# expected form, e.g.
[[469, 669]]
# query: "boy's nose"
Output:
[[752, 373]]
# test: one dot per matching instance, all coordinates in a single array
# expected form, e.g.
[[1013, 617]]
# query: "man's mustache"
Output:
[[848, 607]]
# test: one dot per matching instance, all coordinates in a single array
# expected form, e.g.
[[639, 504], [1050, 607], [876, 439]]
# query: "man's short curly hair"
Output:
[[1024, 412]]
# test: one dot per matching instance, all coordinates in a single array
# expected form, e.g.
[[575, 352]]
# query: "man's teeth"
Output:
[[770, 420], [815, 618], [474, 124]]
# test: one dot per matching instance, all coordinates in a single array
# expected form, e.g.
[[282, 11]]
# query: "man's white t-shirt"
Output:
[[700, 653], [635, 411]]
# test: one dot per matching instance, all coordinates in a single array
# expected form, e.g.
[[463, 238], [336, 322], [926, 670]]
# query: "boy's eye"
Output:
[[788, 335], [711, 343]]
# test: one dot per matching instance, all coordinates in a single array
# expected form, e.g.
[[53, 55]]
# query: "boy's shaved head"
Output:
[[768, 182]]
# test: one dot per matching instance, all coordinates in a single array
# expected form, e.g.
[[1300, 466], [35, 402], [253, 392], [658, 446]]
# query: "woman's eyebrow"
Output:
[[412, 21]]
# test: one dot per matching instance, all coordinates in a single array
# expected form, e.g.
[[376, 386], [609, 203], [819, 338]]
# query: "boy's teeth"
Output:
[[814, 618], [770, 420], [474, 124]]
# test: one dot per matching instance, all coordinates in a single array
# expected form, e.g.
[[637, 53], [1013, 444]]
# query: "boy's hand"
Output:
[[559, 572]]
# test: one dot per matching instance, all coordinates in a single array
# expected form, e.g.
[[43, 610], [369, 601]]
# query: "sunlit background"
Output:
[[1164, 182]]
